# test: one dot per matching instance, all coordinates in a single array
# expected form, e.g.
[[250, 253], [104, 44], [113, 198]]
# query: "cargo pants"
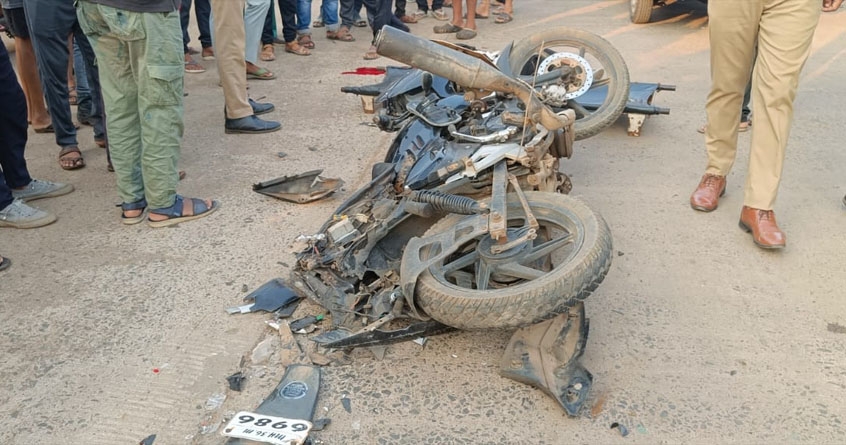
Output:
[[141, 73]]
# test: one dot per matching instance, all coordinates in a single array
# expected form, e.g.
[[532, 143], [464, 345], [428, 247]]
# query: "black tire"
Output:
[[525, 301], [524, 54], [640, 11]]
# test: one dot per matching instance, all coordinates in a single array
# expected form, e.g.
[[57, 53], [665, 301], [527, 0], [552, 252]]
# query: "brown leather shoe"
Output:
[[707, 195], [762, 224]]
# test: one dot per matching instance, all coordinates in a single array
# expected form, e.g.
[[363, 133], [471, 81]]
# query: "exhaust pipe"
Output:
[[465, 70]]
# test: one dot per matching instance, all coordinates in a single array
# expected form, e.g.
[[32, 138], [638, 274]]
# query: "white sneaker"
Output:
[[21, 216], [37, 189]]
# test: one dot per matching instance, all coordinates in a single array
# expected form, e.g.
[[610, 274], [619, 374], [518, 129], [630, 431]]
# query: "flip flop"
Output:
[[465, 34], [360, 23], [446, 28], [305, 40], [371, 54], [138, 205], [76, 163], [261, 74], [503, 17], [342, 34], [295, 48], [268, 54]]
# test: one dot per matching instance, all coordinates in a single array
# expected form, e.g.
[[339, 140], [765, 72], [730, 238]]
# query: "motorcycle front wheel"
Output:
[[599, 71], [536, 280]]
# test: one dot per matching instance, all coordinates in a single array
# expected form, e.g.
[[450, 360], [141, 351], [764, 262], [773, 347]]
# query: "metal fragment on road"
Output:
[[621, 428]]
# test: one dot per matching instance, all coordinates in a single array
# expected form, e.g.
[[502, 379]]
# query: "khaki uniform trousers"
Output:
[[229, 49], [782, 31]]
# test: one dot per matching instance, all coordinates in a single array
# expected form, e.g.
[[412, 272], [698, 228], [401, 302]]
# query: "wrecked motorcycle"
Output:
[[467, 224]]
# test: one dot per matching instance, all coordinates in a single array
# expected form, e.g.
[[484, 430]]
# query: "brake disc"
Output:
[[581, 77]]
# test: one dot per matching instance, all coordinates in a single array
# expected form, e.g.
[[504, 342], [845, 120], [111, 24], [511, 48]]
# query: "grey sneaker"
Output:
[[21, 216], [419, 15], [38, 189]]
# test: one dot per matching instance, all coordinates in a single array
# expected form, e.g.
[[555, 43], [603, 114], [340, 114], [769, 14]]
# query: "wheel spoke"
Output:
[[460, 263], [520, 271], [547, 248], [483, 275]]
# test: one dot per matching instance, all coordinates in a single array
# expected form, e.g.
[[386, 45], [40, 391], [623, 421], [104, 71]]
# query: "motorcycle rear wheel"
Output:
[[526, 284], [563, 43]]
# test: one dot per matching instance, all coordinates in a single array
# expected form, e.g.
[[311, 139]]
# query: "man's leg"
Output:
[[254, 19], [202, 11], [184, 20], [119, 87], [329, 11], [347, 13], [733, 29], [160, 99], [229, 36], [288, 12], [786, 31], [27, 68], [92, 74], [50, 22], [13, 128]]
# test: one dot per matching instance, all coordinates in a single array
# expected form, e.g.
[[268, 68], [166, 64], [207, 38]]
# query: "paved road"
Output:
[[696, 335]]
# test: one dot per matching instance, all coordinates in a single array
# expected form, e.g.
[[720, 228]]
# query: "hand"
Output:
[[831, 5]]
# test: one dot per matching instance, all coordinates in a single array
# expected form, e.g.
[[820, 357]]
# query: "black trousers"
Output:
[[288, 11], [13, 172], [50, 23]]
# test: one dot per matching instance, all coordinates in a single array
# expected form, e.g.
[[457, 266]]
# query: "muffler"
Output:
[[465, 70]]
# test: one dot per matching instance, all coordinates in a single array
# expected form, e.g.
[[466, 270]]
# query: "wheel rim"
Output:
[[476, 269]]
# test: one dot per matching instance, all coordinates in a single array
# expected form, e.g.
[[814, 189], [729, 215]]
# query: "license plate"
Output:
[[268, 429]]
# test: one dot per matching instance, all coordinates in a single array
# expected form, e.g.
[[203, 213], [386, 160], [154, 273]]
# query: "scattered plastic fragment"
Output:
[[420, 341], [296, 325], [347, 404], [320, 424], [209, 425], [215, 401], [281, 154], [236, 381], [641, 429], [621, 428], [262, 351], [269, 297], [148, 440]]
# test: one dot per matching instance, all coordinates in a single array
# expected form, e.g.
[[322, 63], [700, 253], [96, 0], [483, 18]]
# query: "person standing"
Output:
[[202, 12], [25, 57], [50, 23], [782, 31], [240, 112], [139, 45]]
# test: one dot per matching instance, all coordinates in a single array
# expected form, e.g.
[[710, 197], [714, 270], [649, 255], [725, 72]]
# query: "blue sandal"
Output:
[[137, 205], [179, 212]]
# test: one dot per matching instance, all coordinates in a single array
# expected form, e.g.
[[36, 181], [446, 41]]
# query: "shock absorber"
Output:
[[448, 203]]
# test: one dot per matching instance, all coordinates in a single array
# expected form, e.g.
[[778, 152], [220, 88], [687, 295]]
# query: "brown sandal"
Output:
[[342, 34], [268, 54], [296, 48], [71, 163], [371, 54], [305, 40]]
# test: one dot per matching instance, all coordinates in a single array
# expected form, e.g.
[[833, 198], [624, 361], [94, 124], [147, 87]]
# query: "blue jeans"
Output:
[[13, 172], [83, 91], [202, 10], [328, 14]]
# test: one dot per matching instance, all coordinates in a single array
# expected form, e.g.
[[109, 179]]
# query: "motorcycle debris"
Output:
[[236, 381], [421, 341], [347, 403], [306, 330], [148, 440], [288, 310], [294, 398], [379, 352], [305, 322], [301, 188], [320, 424], [621, 428], [214, 401], [269, 297], [319, 359]]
